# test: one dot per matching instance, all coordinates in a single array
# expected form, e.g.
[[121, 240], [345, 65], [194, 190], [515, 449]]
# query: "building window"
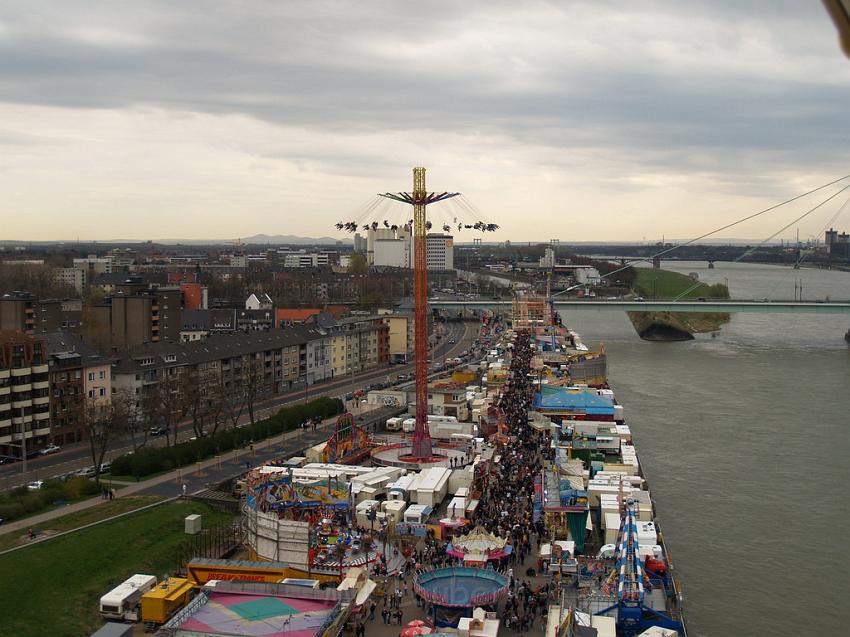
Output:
[[91, 376], [102, 375]]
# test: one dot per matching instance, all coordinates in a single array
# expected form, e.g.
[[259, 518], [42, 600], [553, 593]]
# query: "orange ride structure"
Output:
[[421, 449], [420, 198]]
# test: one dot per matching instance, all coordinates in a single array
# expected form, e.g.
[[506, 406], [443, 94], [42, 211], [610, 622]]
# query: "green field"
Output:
[[663, 284], [54, 587], [103, 510]]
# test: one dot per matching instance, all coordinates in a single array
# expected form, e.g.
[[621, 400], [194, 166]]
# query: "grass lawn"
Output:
[[102, 511], [54, 587], [663, 284]]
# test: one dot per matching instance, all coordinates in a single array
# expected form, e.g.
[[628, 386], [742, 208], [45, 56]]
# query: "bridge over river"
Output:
[[632, 305]]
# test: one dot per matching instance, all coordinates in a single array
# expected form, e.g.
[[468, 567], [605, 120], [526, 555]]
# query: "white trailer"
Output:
[[122, 602], [447, 430], [409, 424]]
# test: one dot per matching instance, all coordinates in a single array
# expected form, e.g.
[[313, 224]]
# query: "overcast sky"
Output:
[[576, 120]]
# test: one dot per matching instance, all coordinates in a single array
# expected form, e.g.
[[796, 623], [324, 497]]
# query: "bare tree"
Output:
[[254, 383], [198, 388], [231, 402], [99, 422], [165, 404], [131, 421]]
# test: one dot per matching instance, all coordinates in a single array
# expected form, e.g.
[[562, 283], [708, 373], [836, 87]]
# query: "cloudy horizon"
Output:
[[582, 121]]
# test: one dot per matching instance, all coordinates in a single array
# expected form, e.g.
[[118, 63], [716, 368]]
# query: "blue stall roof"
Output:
[[581, 401]]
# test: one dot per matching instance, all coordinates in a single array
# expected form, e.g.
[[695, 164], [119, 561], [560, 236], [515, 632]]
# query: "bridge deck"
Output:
[[766, 307]]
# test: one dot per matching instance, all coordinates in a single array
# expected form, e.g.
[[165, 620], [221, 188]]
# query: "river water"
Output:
[[745, 439]]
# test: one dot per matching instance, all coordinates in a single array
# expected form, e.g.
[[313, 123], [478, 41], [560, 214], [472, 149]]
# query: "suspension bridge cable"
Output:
[[708, 234], [801, 258], [763, 241]]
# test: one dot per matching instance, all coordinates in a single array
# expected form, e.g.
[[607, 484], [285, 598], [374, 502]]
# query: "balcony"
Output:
[[39, 369]]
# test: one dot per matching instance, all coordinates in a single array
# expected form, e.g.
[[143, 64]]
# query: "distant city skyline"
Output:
[[583, 121]]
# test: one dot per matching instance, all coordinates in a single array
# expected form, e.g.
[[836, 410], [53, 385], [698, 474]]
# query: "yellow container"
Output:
[[169, 596]]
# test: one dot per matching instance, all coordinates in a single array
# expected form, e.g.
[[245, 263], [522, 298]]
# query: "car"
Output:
[[35, 485], [452, 341], [87, 472], [51, 448], [639, 298], [105, 467], [159, 431], [7, 460]]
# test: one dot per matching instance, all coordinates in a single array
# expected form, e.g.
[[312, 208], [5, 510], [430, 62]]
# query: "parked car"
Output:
[[7, 460], [159, 431], [87, 472], [35, 485], [51, 448]]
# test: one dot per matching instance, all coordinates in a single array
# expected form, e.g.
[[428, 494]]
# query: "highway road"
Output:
[[78, 455]]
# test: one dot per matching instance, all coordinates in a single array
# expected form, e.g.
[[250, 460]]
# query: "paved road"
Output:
[[77, 456], [211, 471], [233, 463]]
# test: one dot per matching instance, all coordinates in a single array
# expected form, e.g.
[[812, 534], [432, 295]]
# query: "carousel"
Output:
[[478, 547]]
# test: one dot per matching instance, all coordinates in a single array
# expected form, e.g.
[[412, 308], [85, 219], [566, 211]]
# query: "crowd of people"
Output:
[[506, 509]]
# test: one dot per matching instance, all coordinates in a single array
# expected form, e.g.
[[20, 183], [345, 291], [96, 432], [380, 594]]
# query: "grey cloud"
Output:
[[366, 67]]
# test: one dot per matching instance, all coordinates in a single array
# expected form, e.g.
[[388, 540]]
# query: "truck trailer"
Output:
[[122, 602]]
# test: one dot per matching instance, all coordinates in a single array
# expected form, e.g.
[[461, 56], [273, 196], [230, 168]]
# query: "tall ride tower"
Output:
[[419, 227], [419, 198]]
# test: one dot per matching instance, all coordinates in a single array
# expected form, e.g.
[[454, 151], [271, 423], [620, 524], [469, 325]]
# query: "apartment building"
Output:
[[24, 393], [94, 265], [72, 277], [365, 344], [264, 363], [23, 311], [304, 259], [146, 316], [440, 252], [401, 336], [389, 247], [79, 377], [395, 248]]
